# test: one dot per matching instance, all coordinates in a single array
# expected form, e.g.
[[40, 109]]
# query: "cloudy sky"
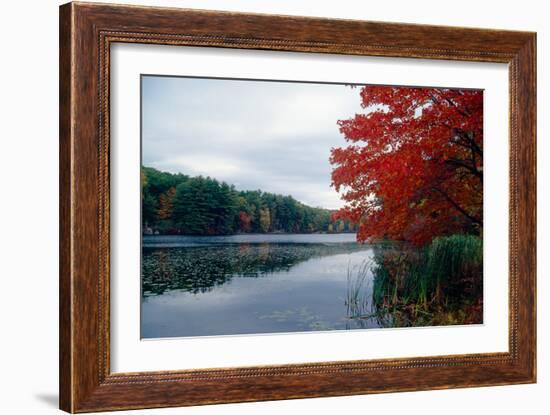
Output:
[[272, 136]]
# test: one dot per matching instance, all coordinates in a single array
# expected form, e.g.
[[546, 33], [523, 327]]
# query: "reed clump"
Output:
[[439, 284], [357, 302]]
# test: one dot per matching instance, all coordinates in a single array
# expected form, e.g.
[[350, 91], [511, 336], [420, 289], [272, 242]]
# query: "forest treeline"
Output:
[[180, 204]]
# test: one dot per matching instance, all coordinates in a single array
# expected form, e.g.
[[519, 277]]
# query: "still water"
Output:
[[244, 284]]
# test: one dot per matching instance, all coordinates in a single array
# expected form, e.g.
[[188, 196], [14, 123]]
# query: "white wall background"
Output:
[[29, 192]]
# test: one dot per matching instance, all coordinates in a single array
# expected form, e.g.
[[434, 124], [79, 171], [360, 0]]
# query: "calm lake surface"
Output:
[[244, 284]]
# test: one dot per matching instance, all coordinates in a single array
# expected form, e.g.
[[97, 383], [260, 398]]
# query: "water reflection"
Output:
[[214, 287], [197, 269]]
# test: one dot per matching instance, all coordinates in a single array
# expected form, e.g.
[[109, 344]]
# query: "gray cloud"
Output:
[[273, 136]]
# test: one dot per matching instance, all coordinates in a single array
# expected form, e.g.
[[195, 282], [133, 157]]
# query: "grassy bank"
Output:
[[439, 284]]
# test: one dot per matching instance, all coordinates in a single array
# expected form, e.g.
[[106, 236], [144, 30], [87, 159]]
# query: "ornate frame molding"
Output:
[[86, 33]]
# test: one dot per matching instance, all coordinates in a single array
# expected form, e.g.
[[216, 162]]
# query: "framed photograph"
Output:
[[258, 207]]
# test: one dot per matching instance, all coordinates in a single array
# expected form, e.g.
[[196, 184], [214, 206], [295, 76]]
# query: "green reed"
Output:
[[441, 283]]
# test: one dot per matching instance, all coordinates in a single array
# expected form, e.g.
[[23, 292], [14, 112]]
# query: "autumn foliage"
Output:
[[413, 166]]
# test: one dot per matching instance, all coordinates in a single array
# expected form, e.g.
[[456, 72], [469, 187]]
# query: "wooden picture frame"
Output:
[[86, 33]]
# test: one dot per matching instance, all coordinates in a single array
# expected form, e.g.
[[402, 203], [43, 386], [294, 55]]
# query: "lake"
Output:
[[254, 283]]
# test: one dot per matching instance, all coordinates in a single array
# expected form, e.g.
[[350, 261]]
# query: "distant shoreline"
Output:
[[248, 233], [177, 204]]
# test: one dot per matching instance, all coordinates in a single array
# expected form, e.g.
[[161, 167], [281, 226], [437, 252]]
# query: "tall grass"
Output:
[[357, 301], [418, 285], [455, 263]]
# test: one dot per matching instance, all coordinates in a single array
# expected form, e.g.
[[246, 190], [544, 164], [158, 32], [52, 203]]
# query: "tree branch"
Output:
[[457, 206], [461, 163]]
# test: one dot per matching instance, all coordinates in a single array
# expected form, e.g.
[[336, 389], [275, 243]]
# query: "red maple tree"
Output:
[[413, 168], [244, 221]]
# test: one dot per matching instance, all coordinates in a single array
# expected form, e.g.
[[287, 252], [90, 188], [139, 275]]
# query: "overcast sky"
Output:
[[272, 136]]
